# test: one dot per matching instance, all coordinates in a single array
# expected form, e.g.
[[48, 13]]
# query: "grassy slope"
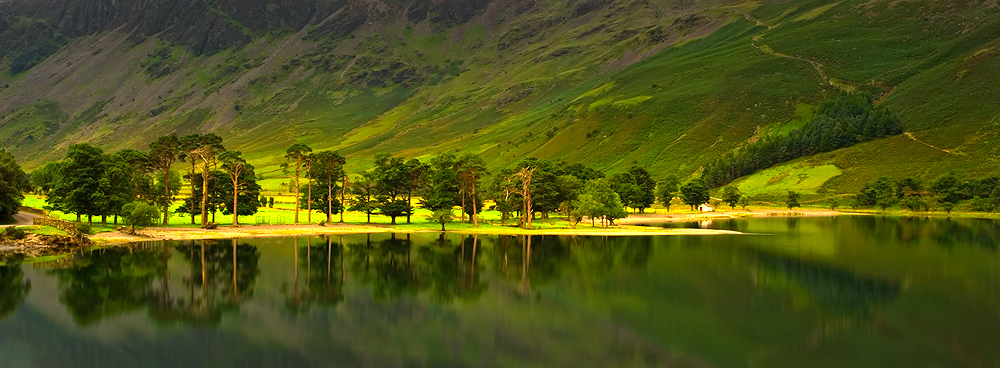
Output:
[[592, 88]]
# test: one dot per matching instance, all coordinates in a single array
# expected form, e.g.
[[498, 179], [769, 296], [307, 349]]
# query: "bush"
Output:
[[13, 233], [83, 228], [140, 215]]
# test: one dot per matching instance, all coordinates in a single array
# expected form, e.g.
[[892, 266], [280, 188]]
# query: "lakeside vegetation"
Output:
[[128, 187]]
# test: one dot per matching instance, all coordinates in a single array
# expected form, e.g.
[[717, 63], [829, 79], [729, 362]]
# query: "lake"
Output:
[[794, 292]]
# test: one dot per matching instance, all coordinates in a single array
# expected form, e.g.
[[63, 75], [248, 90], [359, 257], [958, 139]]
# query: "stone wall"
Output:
[[69, 227]]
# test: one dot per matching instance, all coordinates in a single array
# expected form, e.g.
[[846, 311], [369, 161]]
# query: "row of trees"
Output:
[[946, 192], [840, 123], [90, 182], [532, 188], [128, 183]]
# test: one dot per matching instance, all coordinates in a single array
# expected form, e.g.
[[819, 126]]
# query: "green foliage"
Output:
[[667, 190], [731, 195], [695, 193], [792, 200], [83, 228], [13, 233], [79, 182], [441, 216], [599, 200], [13, 183], [635, 187], [744, 202], [138, 214]]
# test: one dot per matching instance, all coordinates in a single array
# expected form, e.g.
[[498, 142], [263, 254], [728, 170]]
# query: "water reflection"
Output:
[[114, 281], [13, 289], [835, 291]]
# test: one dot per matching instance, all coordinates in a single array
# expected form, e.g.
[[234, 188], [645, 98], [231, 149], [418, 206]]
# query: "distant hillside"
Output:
[[669, 84]]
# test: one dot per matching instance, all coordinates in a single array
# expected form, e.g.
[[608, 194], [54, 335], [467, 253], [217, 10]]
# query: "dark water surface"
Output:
[[813, 292]]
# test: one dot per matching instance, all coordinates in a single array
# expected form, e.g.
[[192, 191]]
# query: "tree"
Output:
[[139, 214], [270, 202], [603, 202], [885, 193], [946, 189], [163, 153], [364, 193], [441, 216], [215, 196], [115, 188], [79, 182], [471, 169], [629, 192], [744, 202], [834, 203], [418, 176], [792, 200], [731, 195], [243, 180], [587, 206], [695, 193], [298, 153], [202, 148], [394, 208], [667, 190], [392, 181], [504, 189], [443, 186], [13, 183], [647, 188], [328, 167], [164, 193]]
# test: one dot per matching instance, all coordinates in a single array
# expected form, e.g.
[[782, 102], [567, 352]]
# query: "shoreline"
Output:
[[156, 234], [631, 226]]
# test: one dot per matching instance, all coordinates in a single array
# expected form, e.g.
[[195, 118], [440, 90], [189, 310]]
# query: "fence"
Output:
[[269, 220]]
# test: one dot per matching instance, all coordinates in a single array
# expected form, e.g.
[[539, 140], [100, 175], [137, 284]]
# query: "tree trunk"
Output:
[[191, 180], [343, 192], [166, 196], [309, 199], [329, 198], [475, 212], [104, 220], [236, 214], [298, 165], [461, 215], [409, 203], [204, 192]]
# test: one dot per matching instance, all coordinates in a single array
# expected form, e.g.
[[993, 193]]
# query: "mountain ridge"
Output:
[[668, 84]]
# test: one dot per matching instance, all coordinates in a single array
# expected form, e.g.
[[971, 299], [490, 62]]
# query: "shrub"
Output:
[[13, 233]]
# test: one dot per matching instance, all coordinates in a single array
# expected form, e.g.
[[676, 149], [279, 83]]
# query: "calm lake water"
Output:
[[811, 292]]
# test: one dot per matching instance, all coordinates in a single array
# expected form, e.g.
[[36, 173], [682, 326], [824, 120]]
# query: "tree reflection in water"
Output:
[[113, 281], [13, 289]]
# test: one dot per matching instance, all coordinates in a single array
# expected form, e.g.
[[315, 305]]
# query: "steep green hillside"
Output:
[[668, 84]]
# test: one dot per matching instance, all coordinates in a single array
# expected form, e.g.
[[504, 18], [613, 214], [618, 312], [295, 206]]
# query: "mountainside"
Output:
[[668, 84]]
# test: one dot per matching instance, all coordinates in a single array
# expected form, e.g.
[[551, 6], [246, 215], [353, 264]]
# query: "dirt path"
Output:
[[756, 43], [914, 138], [21, 219]]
